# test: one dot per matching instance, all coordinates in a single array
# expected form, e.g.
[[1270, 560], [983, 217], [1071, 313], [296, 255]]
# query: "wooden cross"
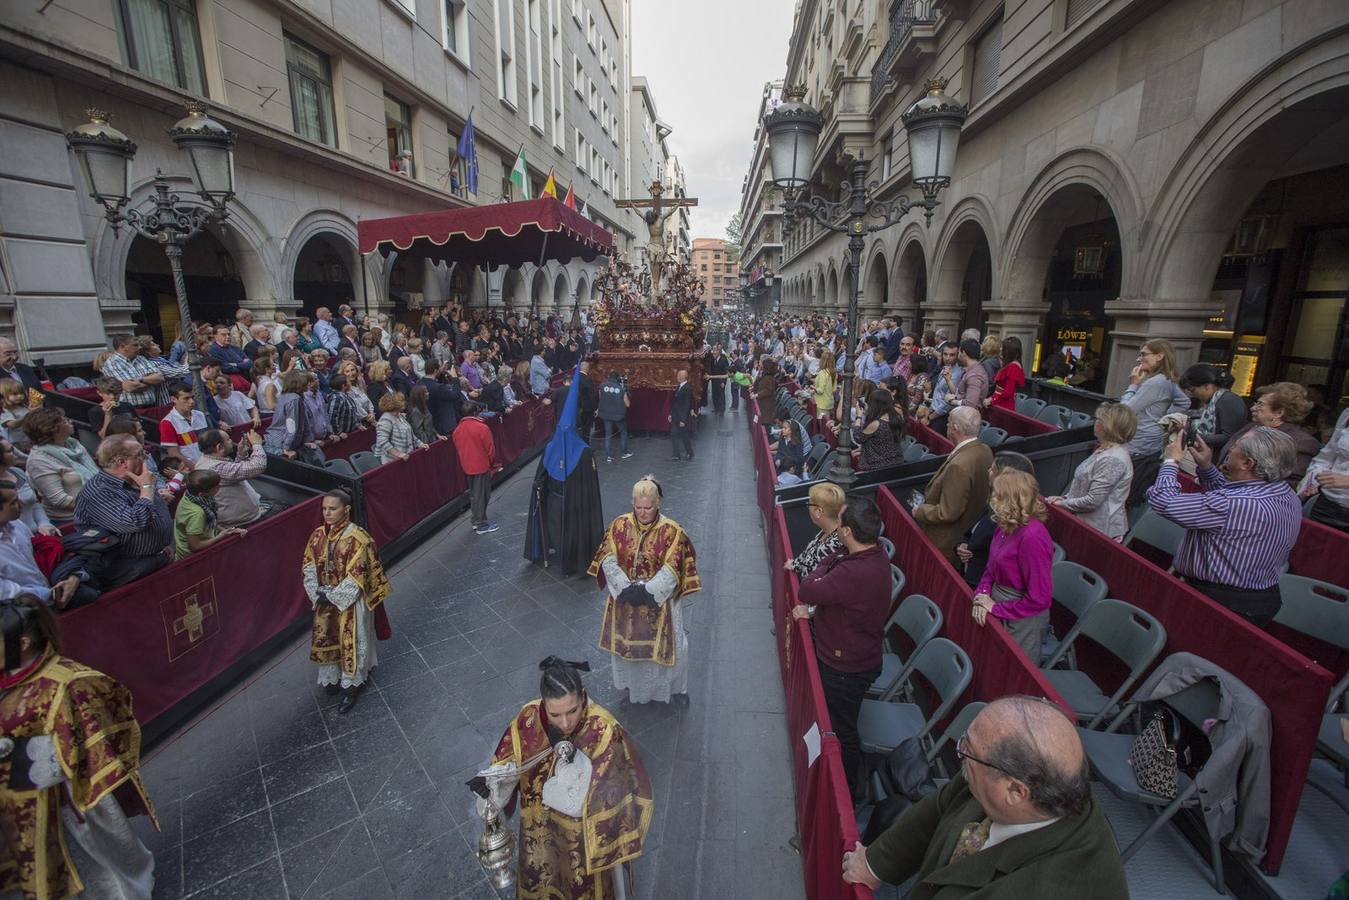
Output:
[[658, 208]]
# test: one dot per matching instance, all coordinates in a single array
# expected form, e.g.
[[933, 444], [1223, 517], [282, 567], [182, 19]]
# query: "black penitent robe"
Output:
[[566, 522]]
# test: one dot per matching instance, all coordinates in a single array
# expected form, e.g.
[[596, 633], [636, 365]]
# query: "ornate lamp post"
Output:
[[933, 125], [105, 155]]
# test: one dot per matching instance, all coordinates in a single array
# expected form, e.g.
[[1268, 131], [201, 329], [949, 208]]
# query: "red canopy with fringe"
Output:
[[502, 234]]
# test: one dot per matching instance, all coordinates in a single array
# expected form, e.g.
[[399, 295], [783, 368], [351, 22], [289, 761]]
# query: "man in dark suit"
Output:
[[892, 340], [10, 367], [586, 402], [443, 397], [681, 418], [956, 496], [1017, 821], [261, 338], [402, 377], [345, 316]]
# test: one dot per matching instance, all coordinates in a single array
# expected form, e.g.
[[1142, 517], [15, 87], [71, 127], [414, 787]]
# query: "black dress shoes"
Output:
[[349, 696]]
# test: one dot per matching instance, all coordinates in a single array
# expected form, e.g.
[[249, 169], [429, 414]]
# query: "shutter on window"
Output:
[[987, 62], [1077, 11]]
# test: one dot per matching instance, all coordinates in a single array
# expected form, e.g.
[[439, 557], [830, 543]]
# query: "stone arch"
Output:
[[339, 232], [908, 277], [831, 287], [876, 287], [1263, 126], [810, 287], [540, 291], [582, 290], [1053, 201], [968, 236], [514, 293], [561, 290], [242, 234]]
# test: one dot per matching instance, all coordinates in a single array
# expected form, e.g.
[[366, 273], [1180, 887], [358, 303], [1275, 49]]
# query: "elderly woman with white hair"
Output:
[[647, 565], [1241, 527]]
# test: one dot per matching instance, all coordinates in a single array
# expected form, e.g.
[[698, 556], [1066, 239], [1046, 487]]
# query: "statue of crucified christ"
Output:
[[655, 211]]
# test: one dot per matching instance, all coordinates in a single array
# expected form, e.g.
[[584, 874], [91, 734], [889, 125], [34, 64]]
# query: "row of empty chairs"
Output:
[[1053, 414]]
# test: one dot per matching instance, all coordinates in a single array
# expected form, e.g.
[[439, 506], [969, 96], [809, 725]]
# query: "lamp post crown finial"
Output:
[[935, 85], [195, 108], [795, 93]]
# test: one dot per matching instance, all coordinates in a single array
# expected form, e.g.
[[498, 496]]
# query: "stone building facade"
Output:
[[718, 270], [1130, 169], [761, 216], [343, 111]]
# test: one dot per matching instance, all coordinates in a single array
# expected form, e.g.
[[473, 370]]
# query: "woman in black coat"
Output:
[[1222, 413]]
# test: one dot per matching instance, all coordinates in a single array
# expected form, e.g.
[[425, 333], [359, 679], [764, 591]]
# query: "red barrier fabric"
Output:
[[167, 634], [357, 440], [828, 828], [1321, 552], [1015, 424], [1000, 665], [939, 444], [401, 493], [516, 432], [766, 470], [238, 431], [1293, 687], [82, 393]]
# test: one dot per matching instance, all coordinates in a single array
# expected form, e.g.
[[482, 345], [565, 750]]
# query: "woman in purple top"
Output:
[[1017, 588]]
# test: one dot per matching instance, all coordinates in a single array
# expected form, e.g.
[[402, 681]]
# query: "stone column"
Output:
[[942, 316], [1136, 321], [1022, 321]]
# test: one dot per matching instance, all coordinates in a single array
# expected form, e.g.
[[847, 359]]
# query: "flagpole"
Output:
[[466, 124]]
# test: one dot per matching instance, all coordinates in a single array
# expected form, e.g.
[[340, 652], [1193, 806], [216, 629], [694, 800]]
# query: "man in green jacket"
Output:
[[1017, 821]]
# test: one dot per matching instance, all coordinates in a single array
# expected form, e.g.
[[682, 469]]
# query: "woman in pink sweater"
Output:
[[1017, 588]]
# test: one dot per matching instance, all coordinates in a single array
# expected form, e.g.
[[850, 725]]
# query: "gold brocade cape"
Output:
[[98, 743], [563, 858], [350, 553], [644, 633]]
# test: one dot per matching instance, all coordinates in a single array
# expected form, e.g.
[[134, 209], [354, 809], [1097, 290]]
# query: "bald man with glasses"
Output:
[[1018, 820]]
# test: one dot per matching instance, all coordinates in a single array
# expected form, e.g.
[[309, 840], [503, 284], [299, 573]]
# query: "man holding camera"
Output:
[[613, 410], [1241, 527]]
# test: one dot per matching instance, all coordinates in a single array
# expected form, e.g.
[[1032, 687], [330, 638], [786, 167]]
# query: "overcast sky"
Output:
[[706, 62]]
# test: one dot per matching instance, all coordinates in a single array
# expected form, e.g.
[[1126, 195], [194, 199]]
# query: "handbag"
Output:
[[1153, 759]]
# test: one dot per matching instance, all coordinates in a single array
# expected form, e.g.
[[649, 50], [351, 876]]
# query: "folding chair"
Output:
[[920, 619], [363, 461], [882, 725], [1053, 414], [1029, 406], [341, 467], [954, 731], [897, 581], [1108, 754], [1321, 609], [1125, 631], [888, 546], [1076, 589], [1079, 420], [1156, 532], [818, 451], [916, 451], [1060, 555], [992, 435]]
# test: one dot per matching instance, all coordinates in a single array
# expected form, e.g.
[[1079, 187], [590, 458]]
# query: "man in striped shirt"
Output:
[[1240, 529]]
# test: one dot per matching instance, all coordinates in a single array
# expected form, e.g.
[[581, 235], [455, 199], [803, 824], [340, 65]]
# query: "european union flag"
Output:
[[468, 152]]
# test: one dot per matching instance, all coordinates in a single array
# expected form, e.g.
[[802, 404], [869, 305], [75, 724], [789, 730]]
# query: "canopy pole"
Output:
[[365, 291], [543, 253]]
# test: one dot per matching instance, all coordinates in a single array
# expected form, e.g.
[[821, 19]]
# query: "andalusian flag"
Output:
[[520, 175], [570, 200], [549, 186]]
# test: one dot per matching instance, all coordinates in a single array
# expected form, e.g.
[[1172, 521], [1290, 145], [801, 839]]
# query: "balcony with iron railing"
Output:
[[910, 21]]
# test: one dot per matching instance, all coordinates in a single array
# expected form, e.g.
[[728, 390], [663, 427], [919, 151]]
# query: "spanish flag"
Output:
[[570, 200], [549, 186]]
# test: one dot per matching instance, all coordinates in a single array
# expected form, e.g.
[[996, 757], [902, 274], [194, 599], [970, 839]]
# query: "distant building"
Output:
[[647, 151], [761, 217], [719, 269]]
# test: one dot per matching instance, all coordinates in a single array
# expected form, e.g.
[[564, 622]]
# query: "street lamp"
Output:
[[104, 155], [933, 125]]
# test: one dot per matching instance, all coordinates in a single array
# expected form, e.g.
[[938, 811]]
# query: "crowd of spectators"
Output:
[[297, 385]]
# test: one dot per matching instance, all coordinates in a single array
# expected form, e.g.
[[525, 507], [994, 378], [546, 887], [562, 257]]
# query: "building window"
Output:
[[987, 62], [457, 176], [593, 102], [534, 62], [590, 29], [311, 91], [579, 79], [159, 38], [505, 37], [576, 7], [556, 88], [454, 28], [580, 151], [410, 6], [604, 115], [1077, 11], [398, 128]]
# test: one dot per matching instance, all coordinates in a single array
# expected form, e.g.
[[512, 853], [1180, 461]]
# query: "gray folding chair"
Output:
[[818, 451], [992, 435], [1053, 414], [915, 452], [906, 441], [1108, 754], [954, 731], [883, 725], [1029, 406], [897, 578], [1059, 553], [921, 620], [1321, 609], [887, 546], [1155, 531], [1076, 589], [1131, 635], [341, 467], [1079, 420], [363, 461]]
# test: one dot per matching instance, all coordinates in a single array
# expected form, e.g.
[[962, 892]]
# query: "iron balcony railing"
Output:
[[904, 14]]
